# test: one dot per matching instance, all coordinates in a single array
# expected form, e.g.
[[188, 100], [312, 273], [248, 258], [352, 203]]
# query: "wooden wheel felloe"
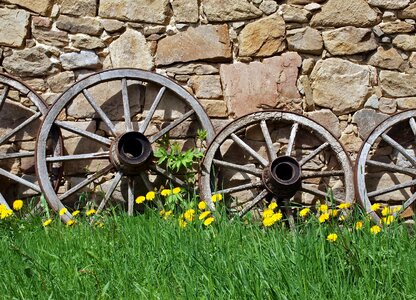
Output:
[[385, 168], [114, 120], [21, 111], [275, 155]]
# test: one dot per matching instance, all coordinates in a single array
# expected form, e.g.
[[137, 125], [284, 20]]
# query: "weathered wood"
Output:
[[20, 180], [84, 133], [392, 168], [97, 155], [247, 186], [243, 145], [406, 204], [292, 138], [171, 126], [126, 105], [152, 110], [130, 196], [3, 201], [392, 188], [268, 140], [20, 127], [166, 174], [16, 155], [412, 124], [399, 148], [3, 96], [323, 174], [253, 203], [313, 153], [249, 170], [110, 191]]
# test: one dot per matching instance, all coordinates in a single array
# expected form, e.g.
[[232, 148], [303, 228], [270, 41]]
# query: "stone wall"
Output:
[[346, 64]]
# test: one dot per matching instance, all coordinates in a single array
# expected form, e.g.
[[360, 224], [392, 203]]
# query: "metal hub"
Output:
[[131, 153], [283, 177]]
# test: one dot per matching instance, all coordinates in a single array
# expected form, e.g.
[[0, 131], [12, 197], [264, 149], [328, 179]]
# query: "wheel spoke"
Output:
[[97, 155], [99, 111], [130, 193], [3, 201], [110, 191], [268, 140], [249, 150], [313, 153], [323, 174], [87, 134], [314, 191], [19, 180], [399, 148], [20, 127], [152, 110], [238, 188], [393, 168], [253, 203], [16, 155], [292, 137], [172, 125], [249, 170], [85, 182], [126, 105], [405, 205], [4, 95], [392, 188], [412, 124], [164, 173]]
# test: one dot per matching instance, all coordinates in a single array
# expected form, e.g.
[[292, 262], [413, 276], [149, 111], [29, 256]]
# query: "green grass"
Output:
[[146, 257]]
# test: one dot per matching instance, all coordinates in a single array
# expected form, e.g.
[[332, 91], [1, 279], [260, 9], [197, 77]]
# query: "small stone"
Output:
[[51, 38], [389, 16], [137, 55], [83, 41], [268, 7], [14, 25], [158, 29], [328, 119], [294, 14], [405, 42], [406, 103], [82, 60], [307, 66], [386, 40], [264, 37], [312, 6], [386, 59], [60, 82], [377, 31], [207, 86], [230, 10], [397, 84], [257, 2], [349, 40], [185, 11], [41, 7], [309, 41], [366, 120], [112, 26], [41, 22], [387, 105], [55, 11], [29, 62], [37, 84], [198, 69], [372, 102], [412, 60], [79, 7], [85, 25], [215, 108], [396, 27], [408, 12], [389, 4]]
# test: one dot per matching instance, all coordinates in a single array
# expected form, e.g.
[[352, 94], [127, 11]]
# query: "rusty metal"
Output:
[[394, 136], [275, 166], [151, 106]]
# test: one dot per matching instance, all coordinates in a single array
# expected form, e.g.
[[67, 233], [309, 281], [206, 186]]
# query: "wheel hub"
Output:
[[283, 177], [131, 153]]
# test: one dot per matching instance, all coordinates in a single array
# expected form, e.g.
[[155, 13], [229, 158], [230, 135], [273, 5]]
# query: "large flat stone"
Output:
[[39, 6], [408, 13], [13, 27], [230, 10], [136, 55], [328, 119], [389, 4], [51, 37], [386, 59], [349, 40], [264, 37], [151, 11], [206, 86], [81, 60], [405, 42], [251, 87], [28, 62], [85, 25], [366, 120], [207, 42], [307, 41], [185, 11], [340, 85], [79, 8], [339, 13], [397, 84]]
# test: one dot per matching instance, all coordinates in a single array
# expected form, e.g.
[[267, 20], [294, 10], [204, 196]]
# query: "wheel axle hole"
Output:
[[132, 148], [284, 171]]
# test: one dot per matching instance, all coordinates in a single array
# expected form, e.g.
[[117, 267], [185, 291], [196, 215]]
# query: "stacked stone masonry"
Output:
[[347, 64]]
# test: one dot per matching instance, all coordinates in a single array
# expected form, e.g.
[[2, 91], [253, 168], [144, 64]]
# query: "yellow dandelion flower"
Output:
[[333, 212], [162, 212], [277, 216], [272, 205], [397, 209], [267, 222], [90, 212], [75, 213], [189, 215], [204, 215], [304, 212], [166, 192], [2, 207], [386, 211], [5, 213], [375, 229], [17, 205], [176, 190], [344, 205], [332, 237], [167, 214], [216, 197], [202, 205], [70, 222], [182, 223], [323, 208], [62, 211], [47, 222], [208, 221], [324, 217], [387, 220], [140, 199], [359, 225], [267, 213], [150, 196], [375, 207]]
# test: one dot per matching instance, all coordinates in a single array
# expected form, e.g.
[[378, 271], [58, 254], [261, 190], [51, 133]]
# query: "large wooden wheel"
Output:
[[21, 111], [386, 165], [275, 155], [114, 120]]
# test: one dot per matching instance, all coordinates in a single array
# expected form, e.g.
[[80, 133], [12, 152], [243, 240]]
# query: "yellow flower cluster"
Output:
[[5, 212], [151, 195], [270, 217], [216, 197], [332, 237], [17, 204]]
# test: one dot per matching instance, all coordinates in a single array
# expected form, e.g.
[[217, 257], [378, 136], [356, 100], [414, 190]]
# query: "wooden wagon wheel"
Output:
[[21, 111], [386, 165], [114, 119], [275, 155]]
